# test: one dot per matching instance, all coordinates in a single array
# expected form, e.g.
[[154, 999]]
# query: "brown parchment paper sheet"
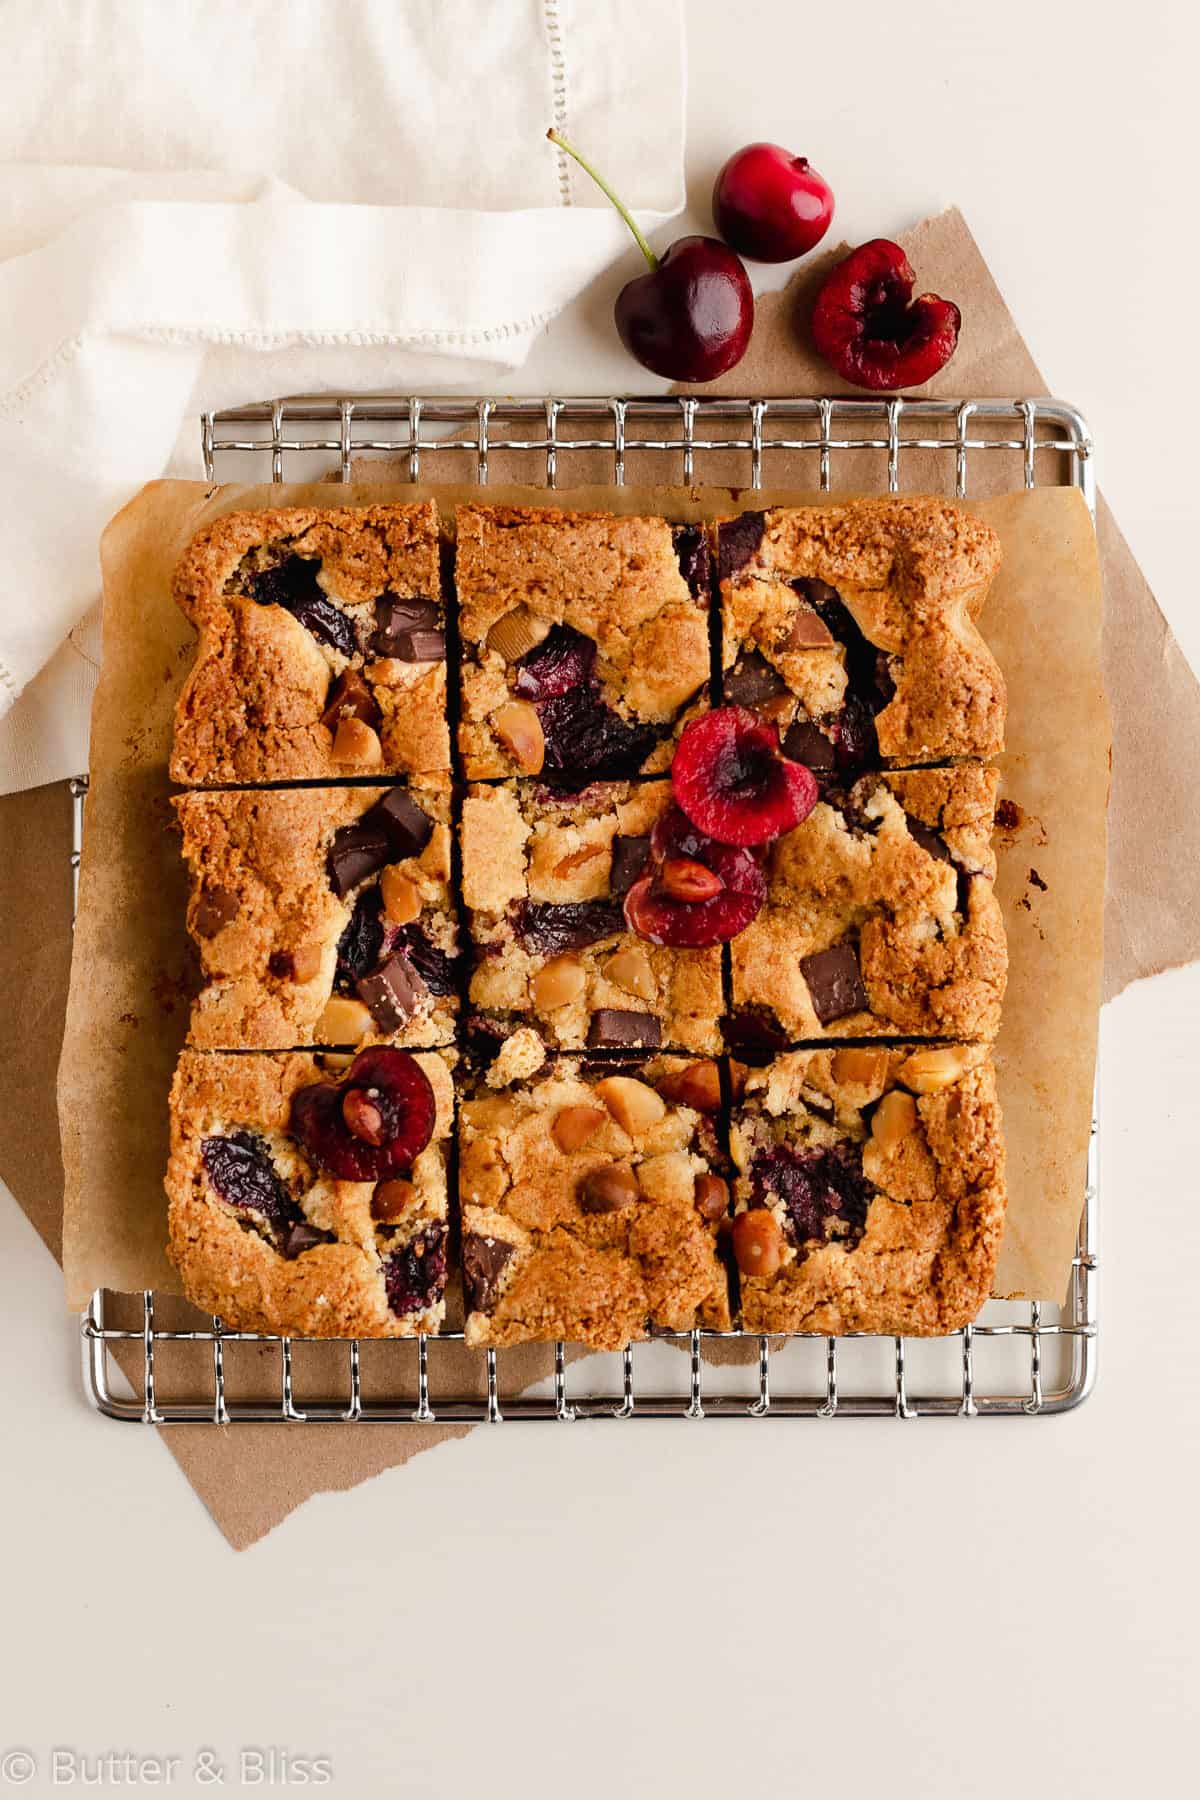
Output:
[[252, 1477]]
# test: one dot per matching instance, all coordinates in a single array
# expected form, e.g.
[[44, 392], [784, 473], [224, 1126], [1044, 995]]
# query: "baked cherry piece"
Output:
[[868, 327], [657, 906], [373, 1124], [770, 204], [690, 317], [732, 782]]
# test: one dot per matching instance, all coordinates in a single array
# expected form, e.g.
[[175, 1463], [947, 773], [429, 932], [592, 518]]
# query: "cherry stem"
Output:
[[600, 182]]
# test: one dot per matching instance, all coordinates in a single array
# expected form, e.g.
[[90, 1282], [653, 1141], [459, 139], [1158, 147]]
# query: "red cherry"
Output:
[[654, 907], [375, 1124], [690, 316], [868, 327], [770, 204], [732, 782]]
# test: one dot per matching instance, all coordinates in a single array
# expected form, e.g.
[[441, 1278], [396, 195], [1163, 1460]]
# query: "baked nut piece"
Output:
[[880, 917], [544, 878], [322, 915], [591, 1200], [853, 628], [870, 1190], [584, 636], [300, 1203], [322, 646]]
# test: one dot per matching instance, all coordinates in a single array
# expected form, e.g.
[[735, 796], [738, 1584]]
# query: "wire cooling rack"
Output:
[[155, 1361]]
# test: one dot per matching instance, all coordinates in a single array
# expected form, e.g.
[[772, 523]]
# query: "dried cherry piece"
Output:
[[415, 1275], [819, 1188], [293, 585], [732, 782], [400, 1091], [361, 943], [241, 1171], [545, 927], [868, 327], [563, 660]]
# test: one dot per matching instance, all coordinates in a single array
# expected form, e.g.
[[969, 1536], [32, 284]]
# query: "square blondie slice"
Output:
[[322, 647], [880, 918], [266, 1237], [584, 639], [853, 628], [544, 878], [322, 915], [870, 1190], [592, 1205]]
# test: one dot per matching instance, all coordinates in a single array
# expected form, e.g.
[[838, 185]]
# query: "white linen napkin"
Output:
[[204, 206]]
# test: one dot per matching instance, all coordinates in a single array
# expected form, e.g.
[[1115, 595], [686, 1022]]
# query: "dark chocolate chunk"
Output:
[[754, 1032], [301, 1237], [358, 851], [419, 646], [408, 827], [393, 992], [281, 965], [610, 1028], [629, 858], [806, 743], [547, 927], [695, 563], [737, 541], [214, 910], [835, 982], [929, 840], [392, 616], [752, 680], [814, 591], [350, 698], [484, 1260]]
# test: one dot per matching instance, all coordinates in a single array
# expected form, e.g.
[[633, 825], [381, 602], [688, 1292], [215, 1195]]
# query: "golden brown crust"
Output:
[[914, 574], [334, 1289], [616, 580], [927, 932], [251, 708], [603, 1279], [261, 899], [924, 1261], [522, 843]]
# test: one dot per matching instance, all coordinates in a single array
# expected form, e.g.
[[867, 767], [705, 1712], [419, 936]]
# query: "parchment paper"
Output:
[[252, 1477]]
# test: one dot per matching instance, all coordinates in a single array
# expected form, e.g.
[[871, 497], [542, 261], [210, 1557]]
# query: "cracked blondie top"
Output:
[[322, 647], [544, 879], [322, 915], [853, 629], [592, 1203], [869, 1191], [584, 640], [880, 917], [265, 1235]]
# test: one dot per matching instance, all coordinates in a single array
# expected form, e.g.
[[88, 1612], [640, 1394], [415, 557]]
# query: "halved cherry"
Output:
[[374, 1123], [868, 327], [660, 917], [732, 781]]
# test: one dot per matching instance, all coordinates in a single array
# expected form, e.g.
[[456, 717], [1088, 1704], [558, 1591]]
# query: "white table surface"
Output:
[[859, 1608]]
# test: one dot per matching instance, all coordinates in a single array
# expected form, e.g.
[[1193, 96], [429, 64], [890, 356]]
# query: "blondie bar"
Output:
[[299, 1204], [322, 647], [322, 915], [870, 1190], [584, 637], [880, 918], [544, 878], [853, 628], [591, 1202]]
